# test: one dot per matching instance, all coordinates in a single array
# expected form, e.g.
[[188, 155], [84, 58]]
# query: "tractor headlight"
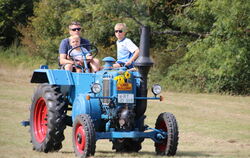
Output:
[[96, 88], [156, 89]]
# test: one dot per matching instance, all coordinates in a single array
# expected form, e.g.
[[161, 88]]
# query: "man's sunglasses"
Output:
[[120, 31], [78, 29]]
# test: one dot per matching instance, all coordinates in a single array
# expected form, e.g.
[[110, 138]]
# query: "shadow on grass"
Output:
[[145, 153], [67, 152], [114, 153], [192, 154], [139, 154]]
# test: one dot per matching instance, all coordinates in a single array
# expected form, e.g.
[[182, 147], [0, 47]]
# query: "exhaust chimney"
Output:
[[143, 63]]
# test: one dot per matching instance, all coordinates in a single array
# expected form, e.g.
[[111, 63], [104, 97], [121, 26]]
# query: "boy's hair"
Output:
[[74, 37], [123, 25]]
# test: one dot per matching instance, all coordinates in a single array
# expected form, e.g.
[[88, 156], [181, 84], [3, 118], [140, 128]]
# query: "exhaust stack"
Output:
[[143, 64]]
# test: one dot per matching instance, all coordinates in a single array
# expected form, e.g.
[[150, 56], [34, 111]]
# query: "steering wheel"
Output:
[[93, 51]]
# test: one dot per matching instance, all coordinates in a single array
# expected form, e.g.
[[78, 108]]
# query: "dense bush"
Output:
[[221, 61]]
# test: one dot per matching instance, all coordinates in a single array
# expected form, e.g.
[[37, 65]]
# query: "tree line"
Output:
[[197, 45]]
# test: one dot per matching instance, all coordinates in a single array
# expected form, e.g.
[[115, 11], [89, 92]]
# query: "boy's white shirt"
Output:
[[125, 49]]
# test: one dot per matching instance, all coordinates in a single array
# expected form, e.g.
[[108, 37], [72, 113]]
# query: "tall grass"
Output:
[[17, 56]]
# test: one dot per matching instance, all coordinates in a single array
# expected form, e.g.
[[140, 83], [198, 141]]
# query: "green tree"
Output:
[[46, 29], [13, 14], [196, 44], [98, 17], [221, 61]]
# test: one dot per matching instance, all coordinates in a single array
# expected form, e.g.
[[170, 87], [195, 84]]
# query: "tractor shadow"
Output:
[[153, 154], [121, 154], [192, 154], [68, 152], [145, 153]]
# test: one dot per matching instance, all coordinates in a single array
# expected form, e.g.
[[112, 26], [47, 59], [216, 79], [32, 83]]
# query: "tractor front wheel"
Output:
[[167, 122], [47, 118], [84, 142]]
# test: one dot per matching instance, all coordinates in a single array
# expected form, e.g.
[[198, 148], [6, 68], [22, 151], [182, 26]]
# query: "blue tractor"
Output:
[[109, 104]]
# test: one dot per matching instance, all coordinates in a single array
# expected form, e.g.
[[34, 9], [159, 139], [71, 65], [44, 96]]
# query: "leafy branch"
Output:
[[178, 33]]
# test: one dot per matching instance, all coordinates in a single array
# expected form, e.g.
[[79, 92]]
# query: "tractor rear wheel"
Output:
[[167, 122], [47, 118], [84, 141]]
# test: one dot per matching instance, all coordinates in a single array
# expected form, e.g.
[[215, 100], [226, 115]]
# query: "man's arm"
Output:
[[64, 60], [63, 50]]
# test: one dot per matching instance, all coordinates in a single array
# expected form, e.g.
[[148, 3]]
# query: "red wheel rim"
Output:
[[80, 138], [40, 120], [162, 146]]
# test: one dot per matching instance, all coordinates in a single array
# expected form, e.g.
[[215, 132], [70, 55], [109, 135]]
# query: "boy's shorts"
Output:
[[122, 64]]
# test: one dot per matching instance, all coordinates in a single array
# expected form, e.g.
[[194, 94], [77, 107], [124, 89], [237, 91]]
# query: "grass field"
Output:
[[210, 125]]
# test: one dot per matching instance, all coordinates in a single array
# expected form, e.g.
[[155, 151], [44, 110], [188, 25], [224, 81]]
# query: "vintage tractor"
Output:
[[109, 104]]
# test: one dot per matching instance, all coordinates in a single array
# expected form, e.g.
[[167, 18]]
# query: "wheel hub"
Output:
[[79, 138], [40, 120]]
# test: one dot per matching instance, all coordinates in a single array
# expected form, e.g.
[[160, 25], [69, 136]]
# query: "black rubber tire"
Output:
[[167, 122], [83, 129], [47, 118]]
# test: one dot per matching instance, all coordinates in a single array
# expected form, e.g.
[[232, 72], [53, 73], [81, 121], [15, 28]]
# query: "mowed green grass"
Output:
[[210, 125]]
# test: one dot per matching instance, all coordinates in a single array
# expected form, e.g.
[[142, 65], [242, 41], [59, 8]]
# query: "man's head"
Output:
[[120, 30], [75, 28]]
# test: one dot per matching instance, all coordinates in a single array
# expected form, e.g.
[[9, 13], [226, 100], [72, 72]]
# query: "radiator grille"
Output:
[[106, 90]]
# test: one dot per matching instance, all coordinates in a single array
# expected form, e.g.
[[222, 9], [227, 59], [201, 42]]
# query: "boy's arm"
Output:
[[134, 57]]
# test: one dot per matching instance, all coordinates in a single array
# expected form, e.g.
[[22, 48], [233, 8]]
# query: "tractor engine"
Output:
[[118, 112], [125, 119]]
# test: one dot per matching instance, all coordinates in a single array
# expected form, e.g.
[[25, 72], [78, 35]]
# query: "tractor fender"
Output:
[[91, 107], [53, 77]]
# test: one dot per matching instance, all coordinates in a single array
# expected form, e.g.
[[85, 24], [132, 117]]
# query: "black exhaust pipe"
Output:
[[143, 64]]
